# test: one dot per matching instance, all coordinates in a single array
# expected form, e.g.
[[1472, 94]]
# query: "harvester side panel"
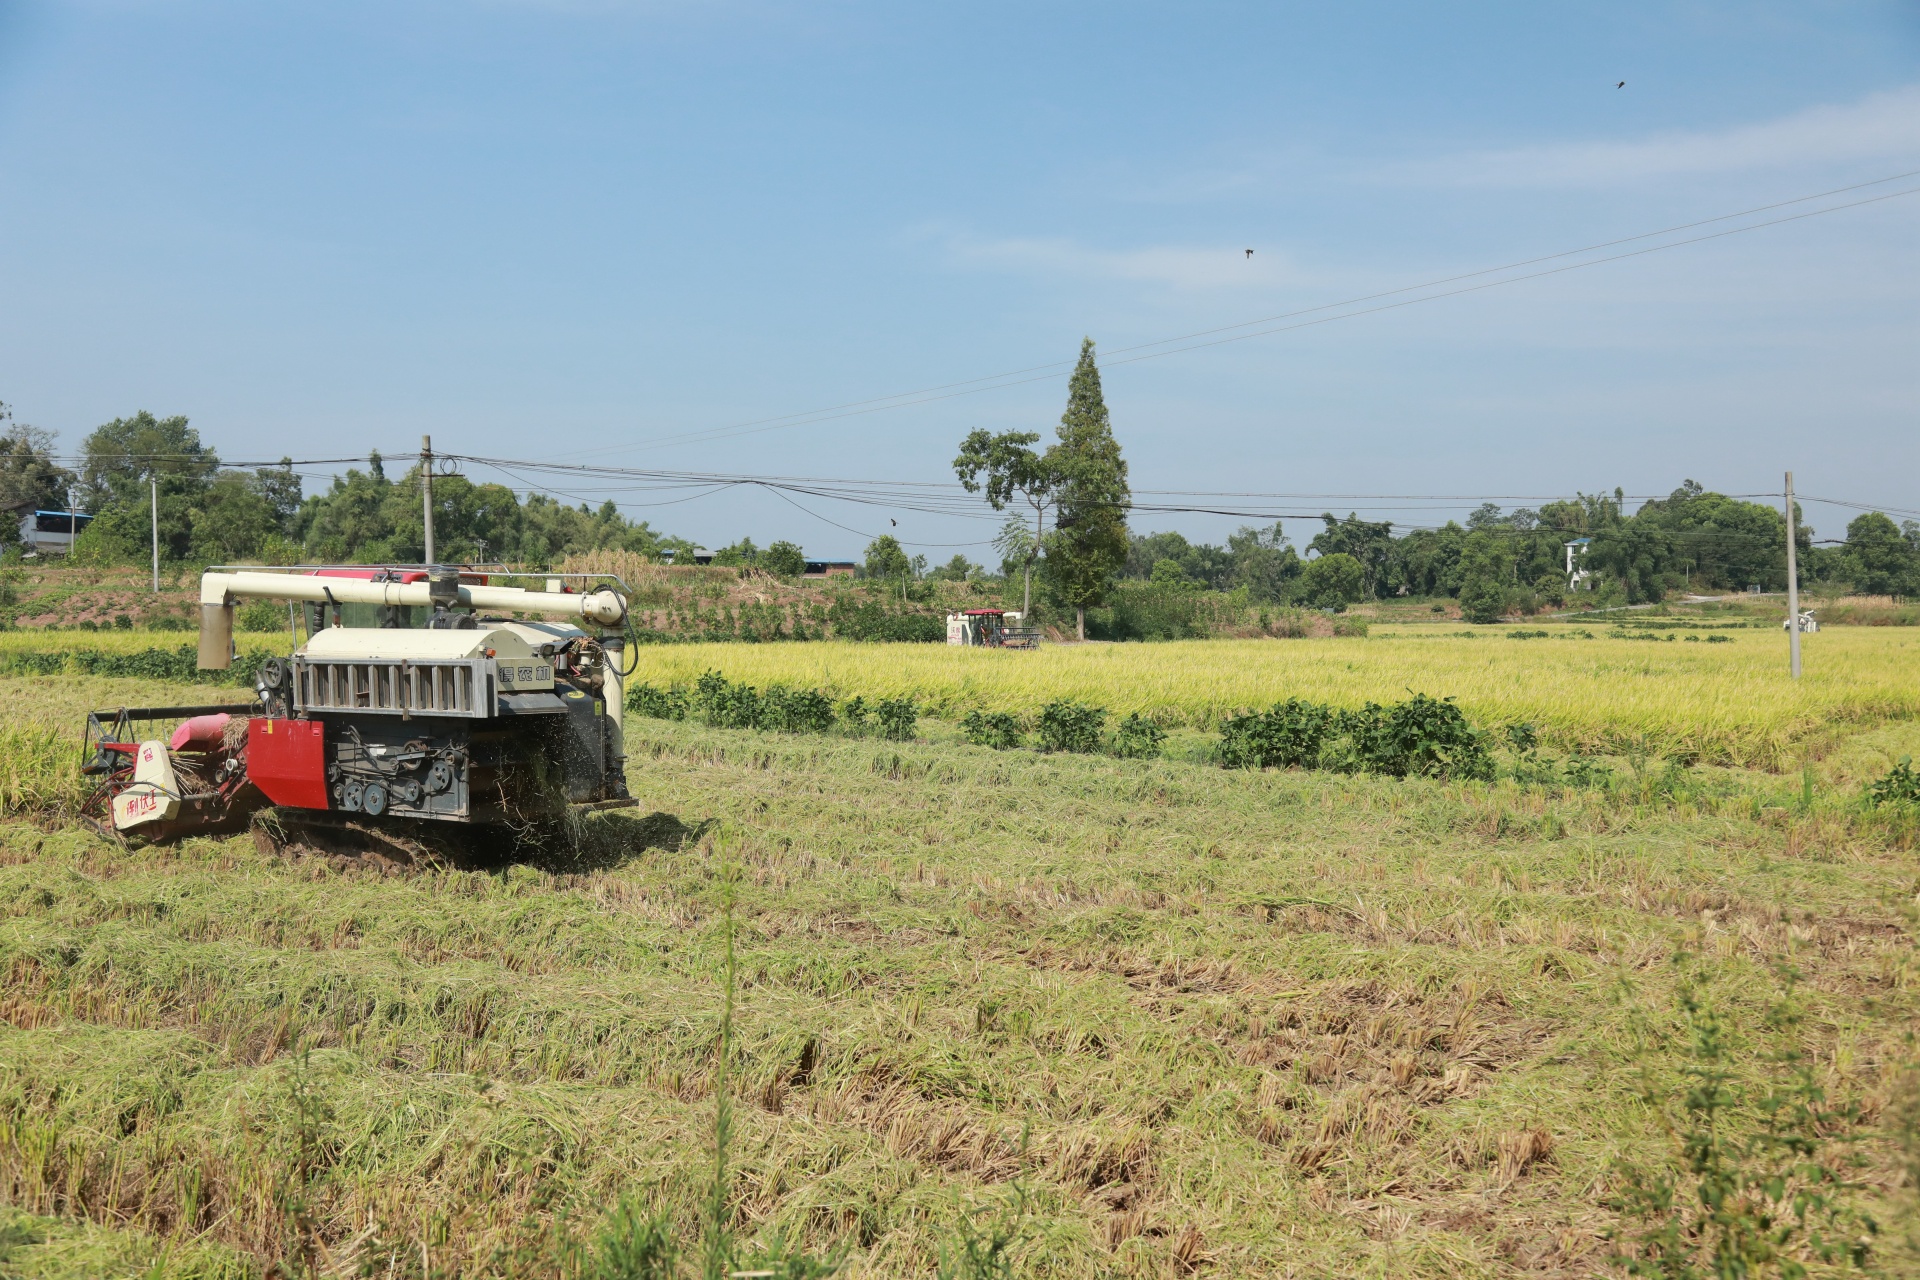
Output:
[[287, 760]]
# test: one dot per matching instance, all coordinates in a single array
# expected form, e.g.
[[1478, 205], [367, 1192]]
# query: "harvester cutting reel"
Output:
[[448, 718]]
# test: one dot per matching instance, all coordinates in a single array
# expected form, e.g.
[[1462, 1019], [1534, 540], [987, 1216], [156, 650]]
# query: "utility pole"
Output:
[[1793, 589], [426, 489], [153, 481]]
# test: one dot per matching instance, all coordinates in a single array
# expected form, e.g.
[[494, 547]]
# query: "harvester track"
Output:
[[388, 846]]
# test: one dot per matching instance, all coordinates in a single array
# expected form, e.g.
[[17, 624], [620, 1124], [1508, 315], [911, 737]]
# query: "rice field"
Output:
[[1724, 703], [1197, 1022]]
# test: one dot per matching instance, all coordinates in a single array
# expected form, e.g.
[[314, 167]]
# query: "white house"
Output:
[[51, 532]]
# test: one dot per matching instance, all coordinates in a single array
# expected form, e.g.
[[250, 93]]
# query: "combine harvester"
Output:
[[423, 718]]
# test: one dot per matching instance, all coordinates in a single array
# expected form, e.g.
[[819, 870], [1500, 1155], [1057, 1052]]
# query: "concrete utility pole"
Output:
[[1793, 589], [153, 481], [426, 489]]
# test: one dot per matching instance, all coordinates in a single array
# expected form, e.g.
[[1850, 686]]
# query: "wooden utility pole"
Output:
[[1793, 589], [427, 492]]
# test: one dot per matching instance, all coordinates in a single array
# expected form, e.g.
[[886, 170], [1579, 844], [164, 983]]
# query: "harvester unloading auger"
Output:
[[423, 716]]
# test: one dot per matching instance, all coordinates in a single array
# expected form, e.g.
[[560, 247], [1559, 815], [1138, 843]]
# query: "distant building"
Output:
[[1578, 579], [51, 532], [830, 568]]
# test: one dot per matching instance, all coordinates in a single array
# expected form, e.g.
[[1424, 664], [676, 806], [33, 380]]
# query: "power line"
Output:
[[1022, 377]]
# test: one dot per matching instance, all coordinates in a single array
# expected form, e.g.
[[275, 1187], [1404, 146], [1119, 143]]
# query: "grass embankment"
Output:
[[1239, 1023], [1721, 703]]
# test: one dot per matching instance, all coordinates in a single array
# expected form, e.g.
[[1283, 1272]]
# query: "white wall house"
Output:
[[51, 532]]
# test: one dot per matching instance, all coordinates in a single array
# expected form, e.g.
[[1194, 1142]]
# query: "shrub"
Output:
[[897, 717], [1289, 624], [854, 712], [1138, 738], [1900, 786], [726, 705], [661, 704], [1149, 611], [1422, 737], [796, 710], [1289, 736], [1071, 726], [1579, 771], [1000, 730], [180, 666], [871, 620]]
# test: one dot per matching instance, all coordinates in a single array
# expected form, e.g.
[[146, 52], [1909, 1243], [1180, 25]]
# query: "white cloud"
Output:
[[1883, 126]]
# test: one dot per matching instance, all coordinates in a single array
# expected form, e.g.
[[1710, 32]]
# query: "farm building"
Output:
[[51, 532]]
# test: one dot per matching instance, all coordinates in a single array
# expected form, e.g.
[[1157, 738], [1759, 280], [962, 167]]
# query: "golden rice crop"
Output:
[[1729, 703], [39, 769]]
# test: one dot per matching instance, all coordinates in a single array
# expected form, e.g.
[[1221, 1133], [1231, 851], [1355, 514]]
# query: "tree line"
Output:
[[1066, 542], [1586, 549], [209, 513]]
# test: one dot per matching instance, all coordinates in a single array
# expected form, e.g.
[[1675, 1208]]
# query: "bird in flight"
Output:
[[1621, 85], [1249, 253], [893, 522]]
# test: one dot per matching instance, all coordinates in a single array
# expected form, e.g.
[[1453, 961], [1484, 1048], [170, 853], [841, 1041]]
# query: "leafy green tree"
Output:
[[119, 456], [1332, 582], [1006, 467], [784, 560], [740, 553], [1168, 573], [1264, 563], [1089, 544], [1427, 562], [350, 522], [1205, 563], [887, 559], [120, 459], [1697, 536], [1017, 547], [1369, 542], [29, 477], [958, 569], [236, 519], [1486, 564], [1879, 559]]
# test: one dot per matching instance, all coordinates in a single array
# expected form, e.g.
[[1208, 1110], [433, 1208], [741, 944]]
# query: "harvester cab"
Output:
[[427, 708]]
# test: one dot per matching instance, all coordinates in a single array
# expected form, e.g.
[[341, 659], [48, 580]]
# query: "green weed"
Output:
[[1765, 1180]]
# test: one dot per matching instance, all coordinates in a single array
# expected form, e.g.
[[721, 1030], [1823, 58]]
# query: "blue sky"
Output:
[[575, 229]]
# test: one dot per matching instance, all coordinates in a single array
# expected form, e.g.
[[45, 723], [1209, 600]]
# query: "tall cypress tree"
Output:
[[1089, 543]]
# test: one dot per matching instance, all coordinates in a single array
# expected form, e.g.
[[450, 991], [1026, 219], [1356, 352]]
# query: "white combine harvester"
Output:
[[425, 703]]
